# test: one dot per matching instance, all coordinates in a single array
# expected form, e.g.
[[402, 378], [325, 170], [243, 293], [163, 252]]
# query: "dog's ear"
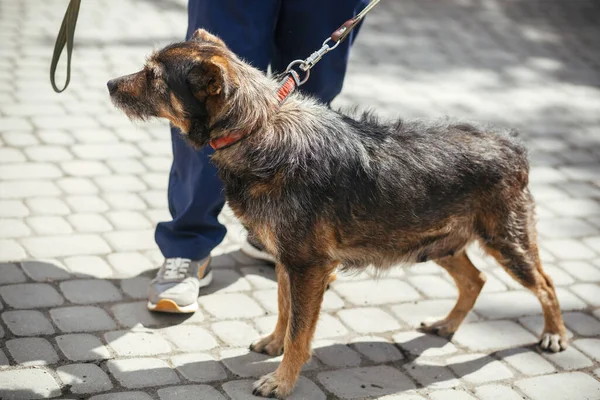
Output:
[[202, 35], [209, 78]]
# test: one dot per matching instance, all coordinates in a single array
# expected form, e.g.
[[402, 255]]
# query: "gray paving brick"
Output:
[[142, 372], [377, 349], [451, 394], [590, 347], [32, 351], [133, 240], [13, 228], [27, 323], [478, 368], [582, 270], [64, 246], [125, 201], [560, 386], [304, 389], [47, 206], [526, 361], [535, 324], [87, 204], [82, 347], [140, 342], [84, 378], [89, 291], [434, 286], [226, 306], [81, 319], [226, 280], [589, 292], [136, 288], [431, 374], [490, 335], [335, 354], [497, 392], [10, 250], [424, 345], [569, 359], [11, 273], [189, 392], [88, 266], [31, 295], [124, 220], [367, 381], [49, 225], [368, 320], [189, 337], [129, 264], [25, 189], [415, 313], [565, 228], [245, 363], [122, 396], [89, 223], [3, 359], [29, 170], [199, 367], [134, 314], [234, 333], [568, 249], [374, 292], [13, 209], [28, 384], [75, 186], [261, 277], [582, 324], [45, 271]]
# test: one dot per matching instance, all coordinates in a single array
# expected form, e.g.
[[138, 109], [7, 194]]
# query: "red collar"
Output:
[[287, 87]]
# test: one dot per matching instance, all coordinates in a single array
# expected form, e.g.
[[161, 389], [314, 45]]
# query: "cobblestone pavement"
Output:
[[81, 188]]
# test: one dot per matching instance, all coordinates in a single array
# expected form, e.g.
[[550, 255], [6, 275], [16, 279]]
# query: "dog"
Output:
[[323, 189]]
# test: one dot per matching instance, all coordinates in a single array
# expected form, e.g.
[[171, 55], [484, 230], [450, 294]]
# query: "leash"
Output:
[[65, 37], [291, 80]]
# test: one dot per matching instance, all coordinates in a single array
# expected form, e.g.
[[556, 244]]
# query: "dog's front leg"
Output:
[[307, 286], [273, 344]]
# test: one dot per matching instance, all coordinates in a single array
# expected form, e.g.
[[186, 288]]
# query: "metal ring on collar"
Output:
[[303, 64]]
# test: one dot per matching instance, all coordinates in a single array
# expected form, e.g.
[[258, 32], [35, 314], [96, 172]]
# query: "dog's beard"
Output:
[[133, 109], [199, 134]]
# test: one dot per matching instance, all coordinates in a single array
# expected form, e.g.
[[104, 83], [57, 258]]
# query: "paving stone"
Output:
[[434, 286], [84, 378], [427, 310], [569, 359], [568, 249], [261, 277], [560, 386], [478, 368], [13, 228], [267, 299], [89, 223], [45, 271], [560, 228], [331, 301], [75, 186], [490, 335], [128, 264], [574, 207], [245, 363], [49, 225], [328, 327], [87, 204], [140, 342], [424, 345], [128, 220], [3, 359], [133, 240], [189, 337], [10, 155], [335, 354], [81, 319], [10, 250], [30, 170], [451, 394], [25, 189], [368, 381], [142, 372], [199, 367], [190, 392], [32, 351], [120, 183], [64, 246], [226, 306], [13, 209], [89, 266], [122, 396], [526, 361], [591, 347], [497, 392], [374, 292], [125, 201], [582, 324], [136, 288], [558, 275], [31, 295], [431, 374], [304, 389], [11, 273], [582, 271], [227, 281], [27, 323], [137, 314], [409, 395], [589, 292], [234, 333], [535, 324], [82, 347], [377, 349], [368, 320], [28, 384], [89, 291]]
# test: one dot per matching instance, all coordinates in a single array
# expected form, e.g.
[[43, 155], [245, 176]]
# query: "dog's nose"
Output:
[[112, 86]]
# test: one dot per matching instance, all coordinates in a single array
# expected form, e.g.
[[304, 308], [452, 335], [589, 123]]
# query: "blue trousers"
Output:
[[262, 32]]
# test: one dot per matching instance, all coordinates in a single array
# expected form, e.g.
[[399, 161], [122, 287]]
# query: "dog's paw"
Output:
[[270, 345], [441, 328], [271, 386], [553, 342]]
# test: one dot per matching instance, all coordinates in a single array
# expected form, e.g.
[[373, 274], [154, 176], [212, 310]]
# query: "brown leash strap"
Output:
[[65, 37]]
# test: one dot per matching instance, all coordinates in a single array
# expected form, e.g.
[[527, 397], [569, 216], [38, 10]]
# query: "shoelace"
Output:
[[176, 268]]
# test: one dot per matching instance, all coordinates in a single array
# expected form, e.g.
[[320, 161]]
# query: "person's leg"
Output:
[[195, 192], [302, 27]]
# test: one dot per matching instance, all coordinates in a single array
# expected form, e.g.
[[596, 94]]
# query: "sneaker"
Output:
[[176, 286], [254, 249]]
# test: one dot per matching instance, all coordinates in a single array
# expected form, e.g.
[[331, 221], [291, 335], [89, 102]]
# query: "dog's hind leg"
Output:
[[307, 287], [273, 344], [469, 281]]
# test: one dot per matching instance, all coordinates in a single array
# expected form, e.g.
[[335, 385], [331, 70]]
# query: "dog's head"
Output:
[[187, 83]]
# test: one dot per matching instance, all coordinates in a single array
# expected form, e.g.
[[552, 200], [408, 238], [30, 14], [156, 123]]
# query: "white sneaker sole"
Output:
[[169, 306], [255, 253]]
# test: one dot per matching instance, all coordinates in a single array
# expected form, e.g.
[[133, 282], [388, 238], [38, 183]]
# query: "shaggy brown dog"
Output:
[[322, 189]]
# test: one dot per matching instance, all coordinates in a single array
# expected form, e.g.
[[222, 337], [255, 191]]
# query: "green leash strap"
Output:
[[65, 37]]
